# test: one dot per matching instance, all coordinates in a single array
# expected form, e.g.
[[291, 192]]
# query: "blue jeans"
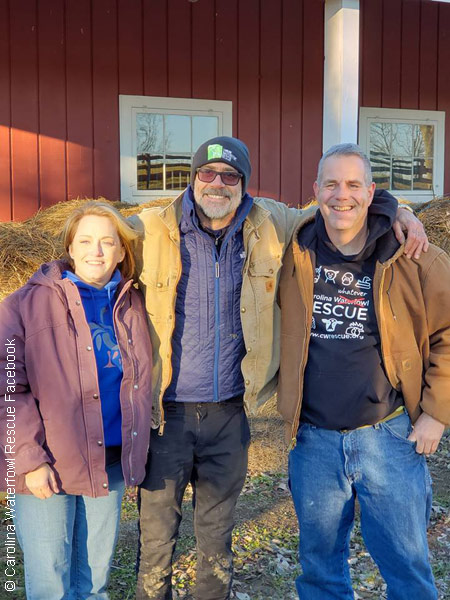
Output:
[[378, 465], [68, 541]]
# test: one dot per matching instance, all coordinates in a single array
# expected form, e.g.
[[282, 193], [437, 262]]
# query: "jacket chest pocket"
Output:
[[155, 281], [263, 279], [158, 291]]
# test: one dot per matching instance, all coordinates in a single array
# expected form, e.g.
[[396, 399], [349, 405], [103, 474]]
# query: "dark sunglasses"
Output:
[[227, 177]]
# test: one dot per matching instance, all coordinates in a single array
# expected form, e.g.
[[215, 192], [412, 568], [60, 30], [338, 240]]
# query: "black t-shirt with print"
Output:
[[345, 385]]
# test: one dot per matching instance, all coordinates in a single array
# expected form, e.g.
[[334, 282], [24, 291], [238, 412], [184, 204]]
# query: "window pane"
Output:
[[402, 139], [149, 172], [423, 174], [401, 173], [203, 128], [423, 140], [150, 150], [149, 133], [165, 145], [380, 153], [380, 138], [177, 134], [178, 151], [178, 169]]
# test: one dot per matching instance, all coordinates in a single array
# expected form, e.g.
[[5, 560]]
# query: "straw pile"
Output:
[[25, 246], [22, 250], [435, 216], [52, 219]]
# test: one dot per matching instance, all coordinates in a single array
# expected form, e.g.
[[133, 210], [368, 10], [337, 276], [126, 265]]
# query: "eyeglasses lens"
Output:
[[227, 177]]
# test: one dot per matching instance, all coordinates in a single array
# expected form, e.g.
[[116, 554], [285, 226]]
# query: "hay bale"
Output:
[[132, 209], [22, 250], [435, 216], [52, 219], [25, 246]]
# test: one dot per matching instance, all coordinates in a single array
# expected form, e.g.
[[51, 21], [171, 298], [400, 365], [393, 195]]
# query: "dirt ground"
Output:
[[266, 535]]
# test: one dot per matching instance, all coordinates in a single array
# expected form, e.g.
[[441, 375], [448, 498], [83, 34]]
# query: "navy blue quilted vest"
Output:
[[207, 343]]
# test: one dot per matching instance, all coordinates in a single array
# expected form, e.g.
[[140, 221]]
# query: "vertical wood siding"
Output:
[[5, 115], [405, 58], [24, 82], [63, 64]]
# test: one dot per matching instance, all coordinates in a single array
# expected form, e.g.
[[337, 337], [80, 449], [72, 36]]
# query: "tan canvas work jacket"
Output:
[[412, 306], [266, 233]]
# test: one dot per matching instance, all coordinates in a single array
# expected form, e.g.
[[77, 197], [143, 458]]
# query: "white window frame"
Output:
[[130, 105], [368, 115]]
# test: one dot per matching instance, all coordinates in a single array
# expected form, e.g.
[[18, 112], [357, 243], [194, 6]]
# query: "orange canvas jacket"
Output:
[[412, 306]]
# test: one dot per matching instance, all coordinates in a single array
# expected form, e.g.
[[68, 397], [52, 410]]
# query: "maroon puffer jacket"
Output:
[[49, 394]]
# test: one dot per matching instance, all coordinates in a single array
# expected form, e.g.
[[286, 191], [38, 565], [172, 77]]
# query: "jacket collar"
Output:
[[308, 233], [387, 246], [171, 214], [257, 215]]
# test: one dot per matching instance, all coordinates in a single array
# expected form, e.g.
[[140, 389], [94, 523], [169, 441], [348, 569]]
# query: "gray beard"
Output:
[[214, 212]]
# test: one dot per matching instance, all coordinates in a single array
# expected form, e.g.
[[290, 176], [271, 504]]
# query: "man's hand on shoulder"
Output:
[[416, 238], [427, 434]]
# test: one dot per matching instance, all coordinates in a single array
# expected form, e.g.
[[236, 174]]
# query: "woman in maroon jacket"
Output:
[[75, 364]]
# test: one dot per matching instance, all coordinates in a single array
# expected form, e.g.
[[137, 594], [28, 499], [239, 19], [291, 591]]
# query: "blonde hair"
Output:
[[100, 208]]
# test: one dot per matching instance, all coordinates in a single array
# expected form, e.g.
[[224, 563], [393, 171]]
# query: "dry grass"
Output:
[[22, 250], [435, 216], [25, 246], [52, 219]]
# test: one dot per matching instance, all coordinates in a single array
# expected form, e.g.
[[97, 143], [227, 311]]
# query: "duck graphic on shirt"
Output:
[[104, 339]]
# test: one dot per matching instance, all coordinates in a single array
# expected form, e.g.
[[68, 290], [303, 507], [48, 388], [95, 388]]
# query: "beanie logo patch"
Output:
[[218, 151], [215, 151]]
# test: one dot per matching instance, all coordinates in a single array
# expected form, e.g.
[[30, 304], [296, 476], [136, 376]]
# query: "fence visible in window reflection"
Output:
[[165, 144], [401, 155]]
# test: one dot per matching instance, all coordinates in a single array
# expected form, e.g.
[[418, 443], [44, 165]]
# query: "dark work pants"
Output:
[[206, 444]]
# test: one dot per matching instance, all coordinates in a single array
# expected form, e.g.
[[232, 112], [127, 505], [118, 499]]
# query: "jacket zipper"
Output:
[[216, 323], [78, 349], [132, 407], [115, 311], [132, 413]]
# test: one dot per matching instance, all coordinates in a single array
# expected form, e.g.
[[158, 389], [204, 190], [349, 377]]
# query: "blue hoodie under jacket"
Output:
[[98, 307], [207, 343]]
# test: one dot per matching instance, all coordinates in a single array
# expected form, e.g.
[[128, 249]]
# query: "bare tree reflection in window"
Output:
[[151, 140], [165, 144], [401, 155], [380, 153]]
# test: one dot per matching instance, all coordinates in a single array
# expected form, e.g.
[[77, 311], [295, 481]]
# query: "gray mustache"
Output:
[[216, 192]]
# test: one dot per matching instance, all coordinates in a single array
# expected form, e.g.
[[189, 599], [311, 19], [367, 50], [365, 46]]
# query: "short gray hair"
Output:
[[347, 150]]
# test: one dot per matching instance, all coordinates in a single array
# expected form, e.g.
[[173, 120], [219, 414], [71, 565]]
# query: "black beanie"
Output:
[[224, 149]]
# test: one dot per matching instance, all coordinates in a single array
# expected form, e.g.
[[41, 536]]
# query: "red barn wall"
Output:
[[405, 58], [63, 65]]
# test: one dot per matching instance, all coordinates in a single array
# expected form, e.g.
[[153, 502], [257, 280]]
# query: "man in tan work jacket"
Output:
[[365, 347]]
